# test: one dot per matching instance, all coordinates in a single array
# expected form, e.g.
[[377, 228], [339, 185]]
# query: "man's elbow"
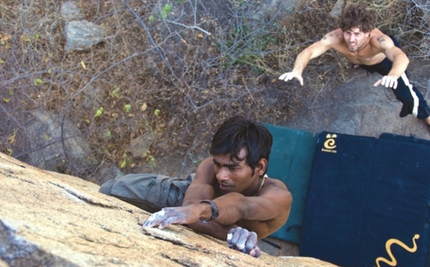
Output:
[[289, 199], [289, 202], [407, 60], [402, 57]]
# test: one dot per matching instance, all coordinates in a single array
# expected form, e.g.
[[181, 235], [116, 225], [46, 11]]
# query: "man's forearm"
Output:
[[230, 213], [400, 64], [301, 62]]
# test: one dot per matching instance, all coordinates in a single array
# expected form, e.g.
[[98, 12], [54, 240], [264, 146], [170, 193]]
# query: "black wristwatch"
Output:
[[214, 208]]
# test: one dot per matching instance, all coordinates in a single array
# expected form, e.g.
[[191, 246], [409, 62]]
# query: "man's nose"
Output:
[[223, 174]]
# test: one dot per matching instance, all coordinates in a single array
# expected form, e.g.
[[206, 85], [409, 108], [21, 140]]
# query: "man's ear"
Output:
[[261, 167]]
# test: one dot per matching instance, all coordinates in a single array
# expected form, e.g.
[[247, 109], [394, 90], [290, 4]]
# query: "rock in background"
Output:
[[80, 34], [48, 139]]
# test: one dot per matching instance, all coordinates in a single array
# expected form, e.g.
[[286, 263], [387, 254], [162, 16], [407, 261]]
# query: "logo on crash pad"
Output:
[[330, 143], [392, 261]]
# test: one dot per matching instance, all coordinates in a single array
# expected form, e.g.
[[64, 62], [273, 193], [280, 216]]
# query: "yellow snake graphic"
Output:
[[388, 244]]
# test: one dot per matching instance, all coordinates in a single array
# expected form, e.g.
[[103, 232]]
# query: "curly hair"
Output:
[[356, 15]]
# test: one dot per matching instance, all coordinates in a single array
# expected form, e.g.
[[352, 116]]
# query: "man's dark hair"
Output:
[[237, 133], [356, 15]]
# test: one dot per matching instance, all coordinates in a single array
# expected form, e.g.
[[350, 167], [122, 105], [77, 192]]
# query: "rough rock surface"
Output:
[[70, 11], [82, 35], [51, 219]]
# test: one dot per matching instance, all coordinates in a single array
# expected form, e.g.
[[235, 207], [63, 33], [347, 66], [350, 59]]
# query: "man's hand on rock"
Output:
[[168, 216], [387, 81], [239, 238]]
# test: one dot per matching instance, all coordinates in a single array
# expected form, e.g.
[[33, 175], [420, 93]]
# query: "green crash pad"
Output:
[[291, 162]]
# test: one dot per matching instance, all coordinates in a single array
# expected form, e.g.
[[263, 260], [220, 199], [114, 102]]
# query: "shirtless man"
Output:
[[231, 198], [367, 47]]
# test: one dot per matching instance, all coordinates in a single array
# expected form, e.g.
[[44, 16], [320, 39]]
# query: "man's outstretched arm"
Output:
[[261, 217], [396, 55], [262, 214], [311, 52]]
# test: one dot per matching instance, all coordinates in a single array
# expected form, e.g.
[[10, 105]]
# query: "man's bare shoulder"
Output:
[[332, 38], [380, 40], [202, 187], [276, 190], [274, 184], [205, 171]]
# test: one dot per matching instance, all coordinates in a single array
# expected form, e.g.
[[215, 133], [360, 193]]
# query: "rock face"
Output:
[[51, 219]]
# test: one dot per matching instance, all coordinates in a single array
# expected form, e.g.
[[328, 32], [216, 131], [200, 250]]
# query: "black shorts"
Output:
[[413, 101]]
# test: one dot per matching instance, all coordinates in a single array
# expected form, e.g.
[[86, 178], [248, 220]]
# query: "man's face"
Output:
[[234, 175], [355, 38]]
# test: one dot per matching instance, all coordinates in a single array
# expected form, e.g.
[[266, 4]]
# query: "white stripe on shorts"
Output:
[[413, 94]]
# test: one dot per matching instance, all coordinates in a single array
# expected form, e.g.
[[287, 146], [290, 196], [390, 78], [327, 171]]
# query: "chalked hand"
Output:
[[241, 239]]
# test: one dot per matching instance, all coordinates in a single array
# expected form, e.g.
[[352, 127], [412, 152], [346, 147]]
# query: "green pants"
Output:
[[150, 192]]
